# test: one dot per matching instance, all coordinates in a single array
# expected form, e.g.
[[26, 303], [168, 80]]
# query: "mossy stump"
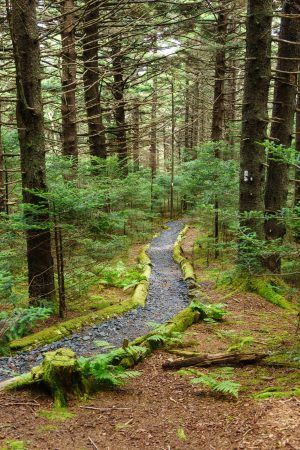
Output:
[[60, 373]]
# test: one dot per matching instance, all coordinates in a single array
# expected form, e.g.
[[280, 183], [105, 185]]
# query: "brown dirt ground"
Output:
[[162, 410]]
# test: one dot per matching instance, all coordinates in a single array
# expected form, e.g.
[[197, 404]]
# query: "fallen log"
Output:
[[222, 359]]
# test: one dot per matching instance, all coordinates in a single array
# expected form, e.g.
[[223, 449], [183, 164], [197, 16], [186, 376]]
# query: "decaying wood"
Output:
[[216, 359]]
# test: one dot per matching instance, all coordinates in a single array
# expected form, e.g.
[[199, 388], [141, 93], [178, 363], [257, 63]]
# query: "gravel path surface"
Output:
[[168, 294]]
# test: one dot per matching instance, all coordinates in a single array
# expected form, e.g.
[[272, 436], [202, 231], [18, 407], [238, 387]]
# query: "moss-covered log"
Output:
[[219, 359], [179, 258]]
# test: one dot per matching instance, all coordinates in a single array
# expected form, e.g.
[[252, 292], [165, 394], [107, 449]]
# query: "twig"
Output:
[[103, 409], [93, 443], [21, 404]]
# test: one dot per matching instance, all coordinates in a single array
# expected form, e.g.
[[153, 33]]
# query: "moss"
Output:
[[276, 392], [263, 288], [14, 445], [185, 265], [57, 414]]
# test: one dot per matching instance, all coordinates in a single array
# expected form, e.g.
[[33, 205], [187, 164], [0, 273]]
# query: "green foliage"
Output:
[[106, 368], [120, 276], [163, 337], [209, 312], [21, 321], [217, 381]]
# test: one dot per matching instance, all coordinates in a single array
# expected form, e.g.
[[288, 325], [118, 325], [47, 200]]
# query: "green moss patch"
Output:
[[14, 445], [276, 392], [57, 414]]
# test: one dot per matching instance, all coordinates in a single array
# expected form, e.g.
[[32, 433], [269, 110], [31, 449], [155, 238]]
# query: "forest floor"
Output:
[[162, 409]]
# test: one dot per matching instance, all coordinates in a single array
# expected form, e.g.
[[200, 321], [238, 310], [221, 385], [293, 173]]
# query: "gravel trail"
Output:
[[168, 294]]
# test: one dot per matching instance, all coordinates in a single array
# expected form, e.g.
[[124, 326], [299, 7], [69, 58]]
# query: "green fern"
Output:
[[209, 312], [218, 381], [162, 336], [105, 368]]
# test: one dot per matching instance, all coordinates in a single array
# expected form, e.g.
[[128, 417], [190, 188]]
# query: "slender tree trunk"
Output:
[[91, 80], [282, 126], [187, 115], [136, 136], [25, 38], [3, 198], [255, 112], [218, 105], [68, 80], [297, 171], [153, 131], [118, 94]]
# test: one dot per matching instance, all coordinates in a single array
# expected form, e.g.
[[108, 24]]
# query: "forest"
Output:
[[149, 224]]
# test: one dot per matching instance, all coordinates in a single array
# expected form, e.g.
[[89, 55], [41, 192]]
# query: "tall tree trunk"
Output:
[[3, 198], [218, 116], [68, 80], [153, 130], [25, 39], [282, 125], [255, 112], [91, 79], [136, 136], [297, 172], [118, 94]]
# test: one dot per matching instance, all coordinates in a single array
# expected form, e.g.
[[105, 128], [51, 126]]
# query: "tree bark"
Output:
[[68, 80], [91, 80], [218, 116], [118, 94], [30, 119], [136, 136], [255, 111], [282, 126], [3, 198]]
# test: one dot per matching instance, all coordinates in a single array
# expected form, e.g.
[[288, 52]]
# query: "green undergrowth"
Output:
[[218, 380]]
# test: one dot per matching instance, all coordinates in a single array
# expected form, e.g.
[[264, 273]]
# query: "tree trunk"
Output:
[[3, 198], [91, 80], [297, 172], [118, 94], [136, 136], [218, 105], [255, 111], [282, 126], [25, 38], [68, 80], [153, 131]]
